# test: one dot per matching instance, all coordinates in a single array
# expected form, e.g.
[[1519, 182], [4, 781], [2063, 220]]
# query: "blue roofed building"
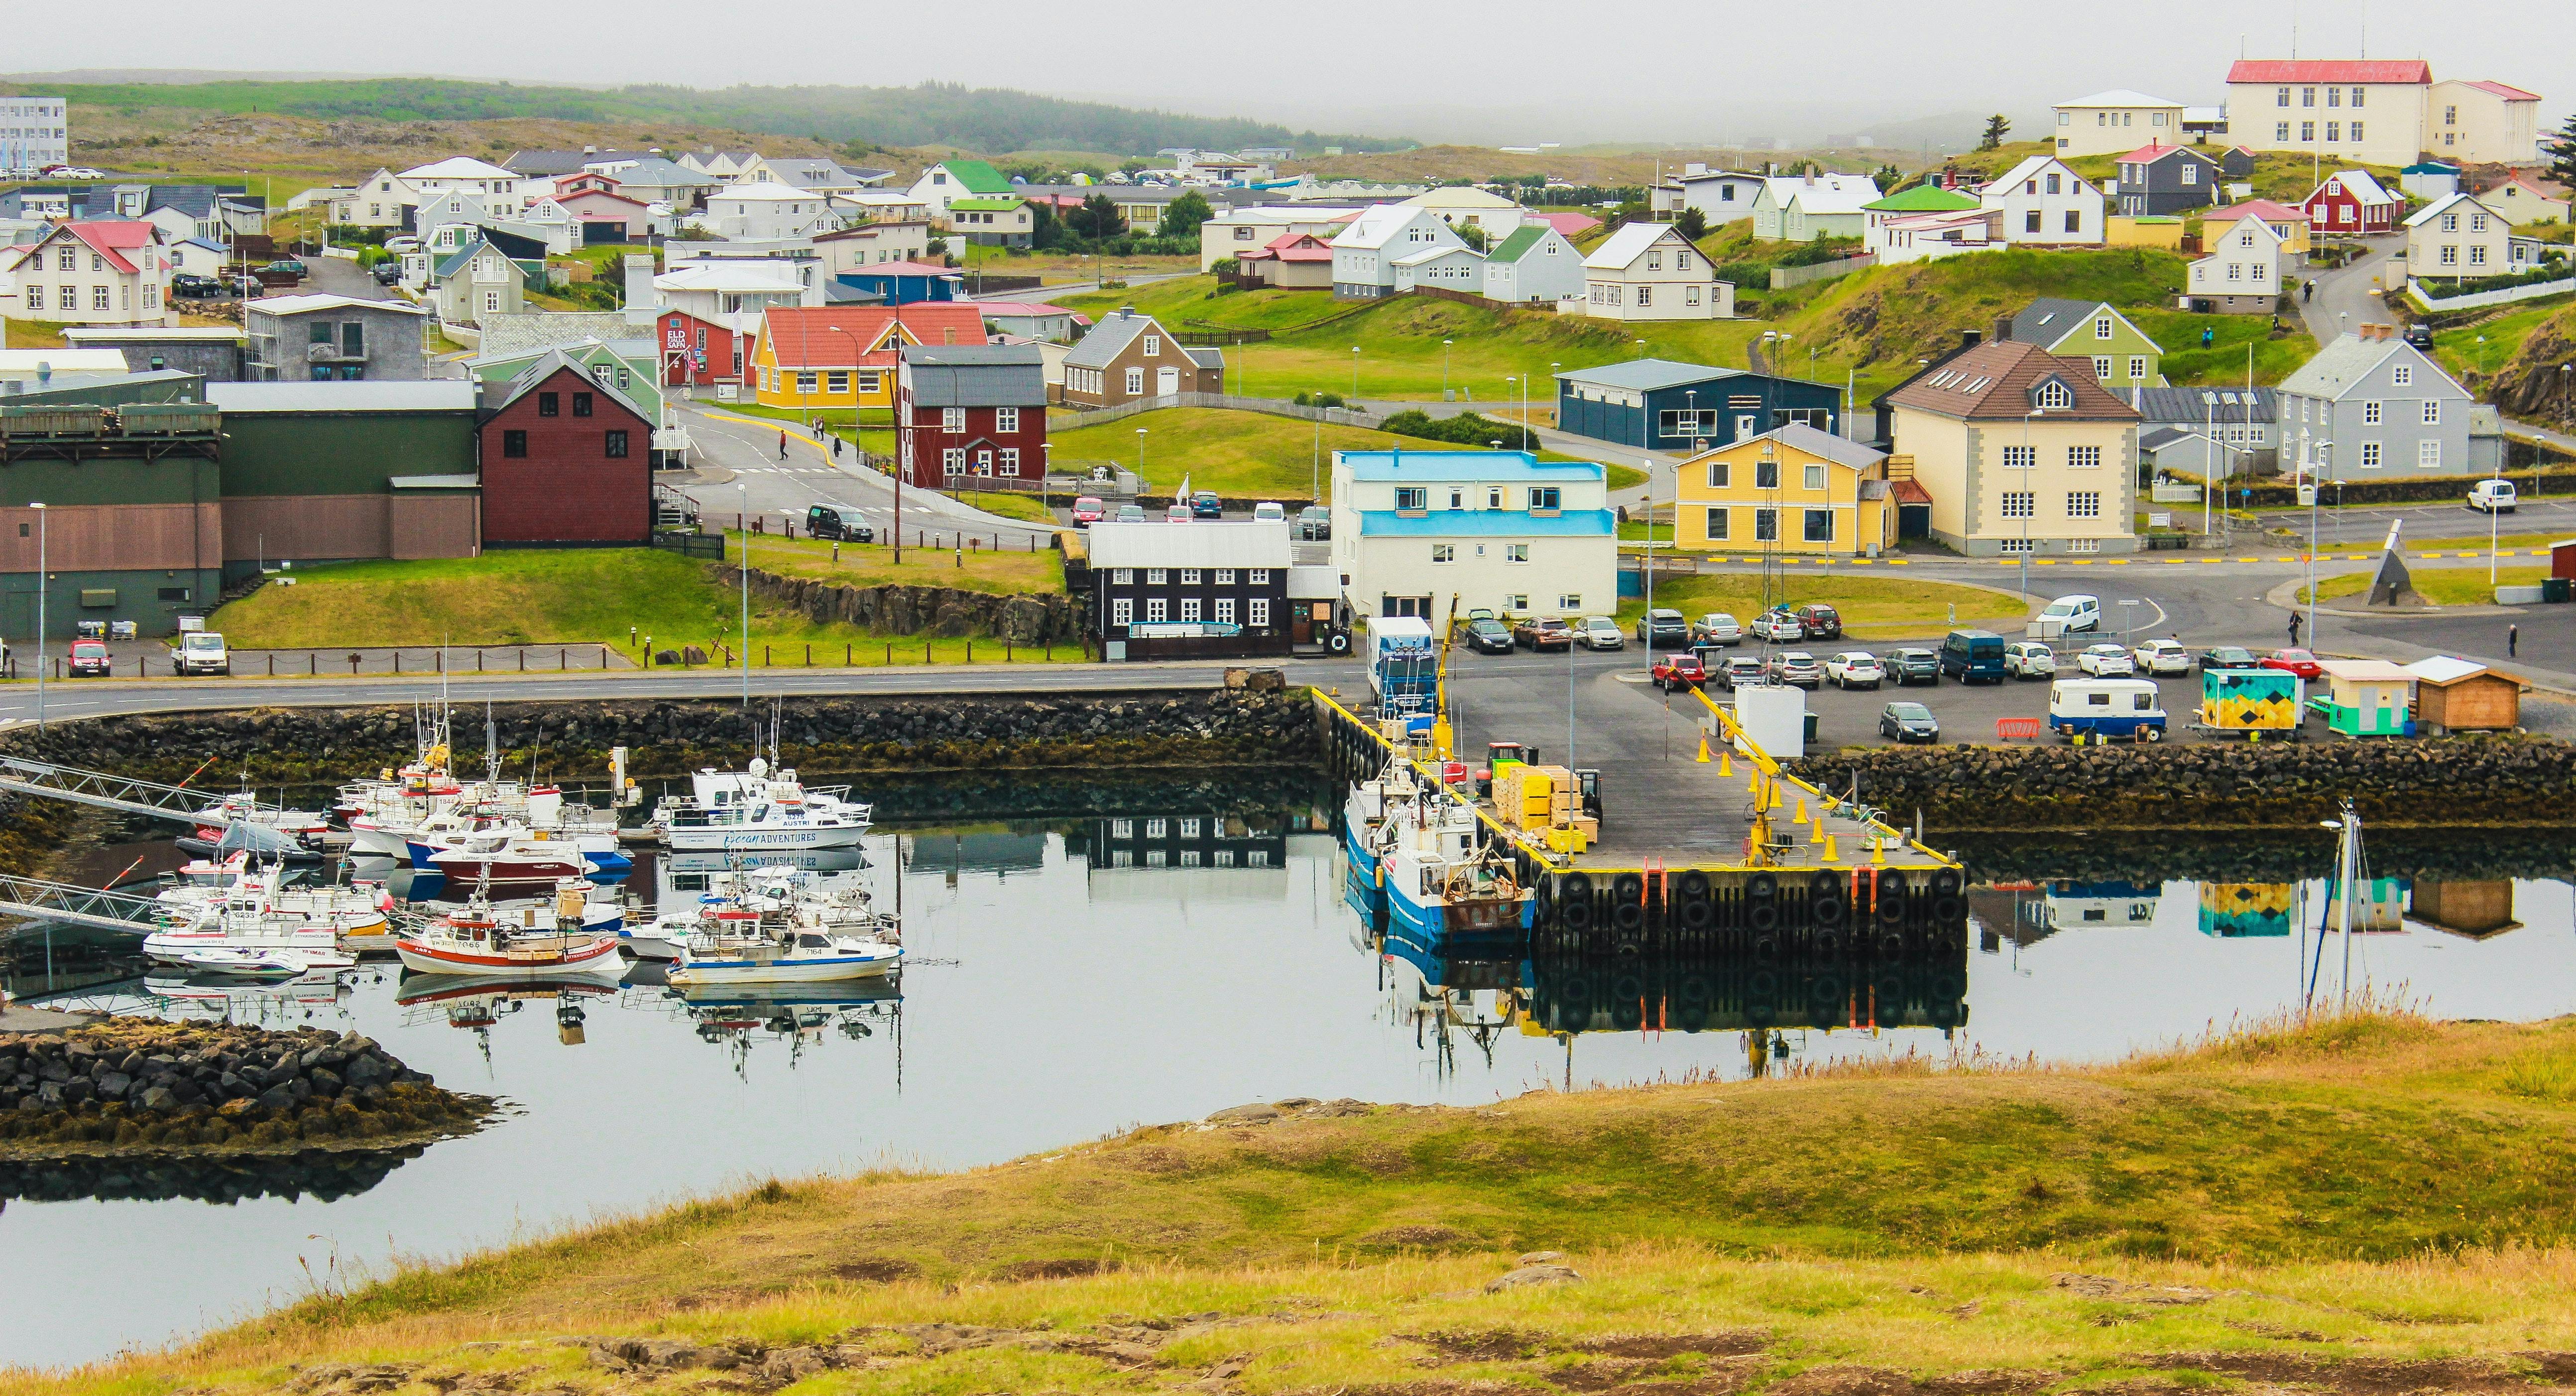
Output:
[[1661, 405], [1502, 530]]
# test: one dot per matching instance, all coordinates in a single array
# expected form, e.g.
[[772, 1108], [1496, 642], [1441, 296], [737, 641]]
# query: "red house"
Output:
[[967, 411], [566, 460], [697, 352], [2351, 204]]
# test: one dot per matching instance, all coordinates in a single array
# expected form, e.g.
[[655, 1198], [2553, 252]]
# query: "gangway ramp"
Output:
[[128, 795], [72, 905]]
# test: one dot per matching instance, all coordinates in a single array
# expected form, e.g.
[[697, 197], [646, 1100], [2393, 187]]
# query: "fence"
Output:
[[1275, 406], [1782, 278], [1204, 332], [705, 545], [2537, 289], [978, 284]]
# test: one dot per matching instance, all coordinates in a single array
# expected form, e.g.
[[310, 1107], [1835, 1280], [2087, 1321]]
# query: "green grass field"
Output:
[[2483, 349], [593, 596], [1242, 455], [1873, 607], [2443, 586], [2186, 364]]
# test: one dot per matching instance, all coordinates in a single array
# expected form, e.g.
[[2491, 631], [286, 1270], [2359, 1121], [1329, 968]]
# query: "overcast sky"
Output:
[[1504, 71]]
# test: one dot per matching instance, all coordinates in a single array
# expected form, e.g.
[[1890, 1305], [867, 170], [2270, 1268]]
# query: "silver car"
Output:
[[1716, 628], [1600, 633]]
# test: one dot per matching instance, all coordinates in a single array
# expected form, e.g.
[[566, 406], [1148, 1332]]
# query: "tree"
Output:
[[1998, 126], [2561, 150], [1692, 224], [1097, 219], [1888, 177], [1475, 238], [1046, 231], [1182, 217]]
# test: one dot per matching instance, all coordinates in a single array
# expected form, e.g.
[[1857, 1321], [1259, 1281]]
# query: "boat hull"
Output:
[[814, 970], [1413, 916], [459, 866], [723, 838], [598, 958]]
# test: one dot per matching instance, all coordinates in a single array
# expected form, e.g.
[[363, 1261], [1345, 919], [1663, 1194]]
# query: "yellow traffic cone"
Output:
[[1703, 749], [1830, 856], [1878, 849], [1726, 761], [1802, 809]]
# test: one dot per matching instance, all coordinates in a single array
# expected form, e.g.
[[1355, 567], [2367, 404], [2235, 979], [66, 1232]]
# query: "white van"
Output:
[[2067, 615], [1266, 512], [2492, 497], [201, 652], [2101, 709]]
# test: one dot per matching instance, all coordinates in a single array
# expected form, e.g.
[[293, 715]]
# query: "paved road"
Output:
[[2368, 527], [747, 448], [2347, 296]]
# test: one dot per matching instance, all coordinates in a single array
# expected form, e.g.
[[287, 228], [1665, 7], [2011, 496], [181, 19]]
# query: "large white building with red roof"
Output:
[[2378, 112], [2482, 122], [110, 271]]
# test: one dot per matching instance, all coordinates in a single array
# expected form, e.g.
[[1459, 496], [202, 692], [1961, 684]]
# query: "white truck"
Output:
[[200, 652]]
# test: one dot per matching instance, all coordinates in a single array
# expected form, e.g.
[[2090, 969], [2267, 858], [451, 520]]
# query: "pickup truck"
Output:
[[201, 652]]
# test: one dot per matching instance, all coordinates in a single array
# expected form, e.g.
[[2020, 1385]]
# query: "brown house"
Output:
[[1129, 356], [567, 460]]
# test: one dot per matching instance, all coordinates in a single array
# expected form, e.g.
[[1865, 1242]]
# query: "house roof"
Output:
[[299, 305], [2119, 97], [729, 274], [2265, 209], [1433, 254], [1523, 238], [1621, 249], [2443, 205], [2196, 407], [2506, 90], [2545, 191], [2430, 167], [112, 238], [2151, 153], [1648, 375], [2442, 670], [767, 191], [874, 228], [1375, 226], [1459, 196], [1109, 338], [2330, 70], [1823, 445], [1994, 381], [653, 169], [977, 176], [2051, 318], [2342, 365], [564, 162], [1207, 356], [2360, 185], [1924, 198], [459, 167], [1197, 543], [975, 375], [455, 261], [1822, 194], [1570, 224], [1445, 467], [810, 171], [547, 365], [1908, 492], [1028, 309], [835, 336], [380, 395]]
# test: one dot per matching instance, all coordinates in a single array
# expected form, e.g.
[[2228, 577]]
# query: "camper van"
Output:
[[2099, 710]]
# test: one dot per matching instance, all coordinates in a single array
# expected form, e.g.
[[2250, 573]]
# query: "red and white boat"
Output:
[[528, 942]]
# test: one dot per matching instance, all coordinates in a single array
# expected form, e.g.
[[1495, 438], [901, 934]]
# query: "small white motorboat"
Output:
[[783, 926], [267, 965]]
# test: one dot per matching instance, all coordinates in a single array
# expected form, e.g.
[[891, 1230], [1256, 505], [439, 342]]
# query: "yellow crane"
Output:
[[1444, 738]]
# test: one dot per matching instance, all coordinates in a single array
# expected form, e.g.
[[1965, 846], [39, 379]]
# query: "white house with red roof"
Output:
[[2350, 203], [113, 271], [2523, 199], [2360, 111], [1290, 261], [2482, 122], [2291, 225]]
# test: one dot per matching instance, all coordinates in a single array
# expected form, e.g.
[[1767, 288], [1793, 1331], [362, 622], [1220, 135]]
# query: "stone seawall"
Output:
[[942, 611], [2505, 781], [569, 741]]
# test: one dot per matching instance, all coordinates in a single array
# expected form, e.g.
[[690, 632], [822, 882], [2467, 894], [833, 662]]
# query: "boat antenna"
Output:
[[491, 745]]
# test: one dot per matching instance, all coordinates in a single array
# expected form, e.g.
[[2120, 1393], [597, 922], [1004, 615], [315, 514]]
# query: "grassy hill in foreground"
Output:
[[2371, 1205]]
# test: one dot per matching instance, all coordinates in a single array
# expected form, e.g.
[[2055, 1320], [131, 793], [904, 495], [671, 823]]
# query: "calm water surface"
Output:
[[1159, 961]]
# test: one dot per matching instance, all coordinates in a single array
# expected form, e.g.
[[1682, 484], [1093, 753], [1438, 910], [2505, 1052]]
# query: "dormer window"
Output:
[[2052, 395]]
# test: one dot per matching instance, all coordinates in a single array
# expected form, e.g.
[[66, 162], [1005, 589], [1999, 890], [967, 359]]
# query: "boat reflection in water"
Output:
[[477, 1002]]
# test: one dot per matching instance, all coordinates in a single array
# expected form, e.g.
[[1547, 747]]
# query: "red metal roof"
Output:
[[2149, 154], [1571, 224], [111, 237], [2330, 70], [837, 336], [1908, 492], [2507, 91], [2264, 209], [1299, 247]]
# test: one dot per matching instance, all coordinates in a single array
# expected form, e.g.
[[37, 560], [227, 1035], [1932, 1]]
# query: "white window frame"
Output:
[[1122, 610], [2428, 453], [1006, 420], [1257, 612]]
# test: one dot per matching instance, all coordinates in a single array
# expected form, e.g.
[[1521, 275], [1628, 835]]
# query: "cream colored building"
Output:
[[1465, 207], [2364, 111], [2482, 122], [2458, 237], [1251, 229], [2523, 199], [2022, 453], [1649, 271], [2114, 123]]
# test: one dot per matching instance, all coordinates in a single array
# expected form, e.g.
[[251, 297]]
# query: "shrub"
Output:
[[1465, 429]]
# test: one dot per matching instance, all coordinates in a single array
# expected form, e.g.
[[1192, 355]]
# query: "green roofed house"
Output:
[[1534, 264], [2122, 355], [988, 222], [1926, 221], [950, 180]]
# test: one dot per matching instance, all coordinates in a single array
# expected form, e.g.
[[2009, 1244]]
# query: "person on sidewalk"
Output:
[[2308, 292], [2512, 640], [782, 443], [2296, 620]]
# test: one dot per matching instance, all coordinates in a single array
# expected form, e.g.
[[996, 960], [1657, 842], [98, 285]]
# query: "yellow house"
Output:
[[2021, 451], [836, 358], [1794, 489]]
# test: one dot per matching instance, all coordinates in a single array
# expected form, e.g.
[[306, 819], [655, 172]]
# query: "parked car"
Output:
[[404, 243], [838, 521], [2106, 662], [288, 266], [89, 660], [1678, 671], [1267, 512], [2419, 335], [2162, 657], [1855, 669], [1600, 633], [1741, 669], [1314, 523], [2299, 662], [1207, 504], [201, 652], [1911, 666], [80, 172], [2228, 657], [1820, 621], [1796, 668], [2493, 497], [246, 287], [386, 272], [1716, 628], [1776, 626], [1970, 655], [1130, 513], [2029, 659], [1486, 635], [1178, 513], [1908, 722], [1088, 510], [189, 285], [1543, 633], [2067, 615], [1662, 626]]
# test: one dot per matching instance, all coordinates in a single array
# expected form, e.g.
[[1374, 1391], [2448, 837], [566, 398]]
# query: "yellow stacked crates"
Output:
[[1535, 801]]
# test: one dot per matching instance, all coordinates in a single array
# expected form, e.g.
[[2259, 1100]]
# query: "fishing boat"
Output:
[[268, 966], [509, 854], [353, 908], [1439, 874], [761, 808], [244, 921], [1365, 832], [784, 926], [242, 807], [542, 941]]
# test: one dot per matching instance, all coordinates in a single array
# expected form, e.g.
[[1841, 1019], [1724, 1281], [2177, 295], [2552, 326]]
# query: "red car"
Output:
[[2298, 662], [1088, 511], [89, 659], [1677, 671]]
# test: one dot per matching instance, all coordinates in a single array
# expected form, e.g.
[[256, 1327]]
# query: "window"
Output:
[[2101, 366], [70, 298], [514, 445], [871, 382], [2307, 130], [2020, 457], [1157, 610], [1655, 261], [1717, 525], [36, 298], [837, 381], [1153, 346], [952, 420], [2428, 453], [1135, 380], [2450, 255], [318, 332], [1189, 608], [1812, 477], [2075, 220], [1766, 475], [2137, 367], [1257, 611], [2083, 504], [1413, 497], [1122, 611], [2370, 414], [1157, 576], [2432, 412], [1645, 295], [2083, 457], [616, 445], [2477, 254], [1819, 525], [2356, 101], [1494, 497], [2477, 222], [2084, 545], [2356, 126], [67, 259], [2307, 96], [581, 404], [1570, 601], [2281, 131], [2054, 395], [2402, 375], [1766, 525], [805, 382], [549, 405], [1717, 474], [1010, 460], [1516, 552], [2052, 181], [2017, 504], [952, 461], [1225, 610], [2450, 222], [2334, 130], [2030, 220], [1190, 576], [1690, 295], [1546, 497], [1124, 576], [2370, 455], [98, 298], [1006, 420], [1682, 261], [2015, 547]]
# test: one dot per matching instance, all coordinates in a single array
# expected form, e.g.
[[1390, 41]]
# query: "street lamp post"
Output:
[[42, 579], [1355, 375], [2030, 494], [1140, 460], [745, 487], [2316, 495], [1444, 371]]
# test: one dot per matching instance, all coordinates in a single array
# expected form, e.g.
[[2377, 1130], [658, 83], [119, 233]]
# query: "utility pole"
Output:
[[43, 577]]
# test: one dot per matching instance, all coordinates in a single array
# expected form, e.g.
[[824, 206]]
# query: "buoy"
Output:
[[1703, 749]]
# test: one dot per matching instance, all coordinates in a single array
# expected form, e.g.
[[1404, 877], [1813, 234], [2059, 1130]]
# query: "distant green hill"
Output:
[[982, 119]]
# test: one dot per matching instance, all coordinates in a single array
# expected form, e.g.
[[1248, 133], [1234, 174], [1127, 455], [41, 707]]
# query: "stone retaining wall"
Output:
[[943, 611], [2451, 781]]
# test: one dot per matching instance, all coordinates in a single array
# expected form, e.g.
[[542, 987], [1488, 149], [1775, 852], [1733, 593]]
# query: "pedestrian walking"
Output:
[[2208, 337], [836, 448], [2308, 292], [2512, 640], [782, 443], [2295, 621]]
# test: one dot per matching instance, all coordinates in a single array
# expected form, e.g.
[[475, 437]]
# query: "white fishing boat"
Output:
[[242, 807], [352, 908], [266, 965], [243, 920], [538, 941], [785, 926], [757, 810], [1440, 875], [509, 853]]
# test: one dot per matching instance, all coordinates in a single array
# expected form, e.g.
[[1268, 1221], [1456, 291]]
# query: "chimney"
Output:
[[1126, 312], [1970, 339], [2003, 329]]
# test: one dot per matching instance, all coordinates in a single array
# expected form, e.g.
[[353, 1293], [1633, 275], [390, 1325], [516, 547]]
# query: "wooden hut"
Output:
[[2369, 698], [2474, 909], [2454, 695]]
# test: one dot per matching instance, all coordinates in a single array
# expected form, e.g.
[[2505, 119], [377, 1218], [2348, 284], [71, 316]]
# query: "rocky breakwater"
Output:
[[944, 611], [2494, 781], [147, 1088], [668, 737]]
